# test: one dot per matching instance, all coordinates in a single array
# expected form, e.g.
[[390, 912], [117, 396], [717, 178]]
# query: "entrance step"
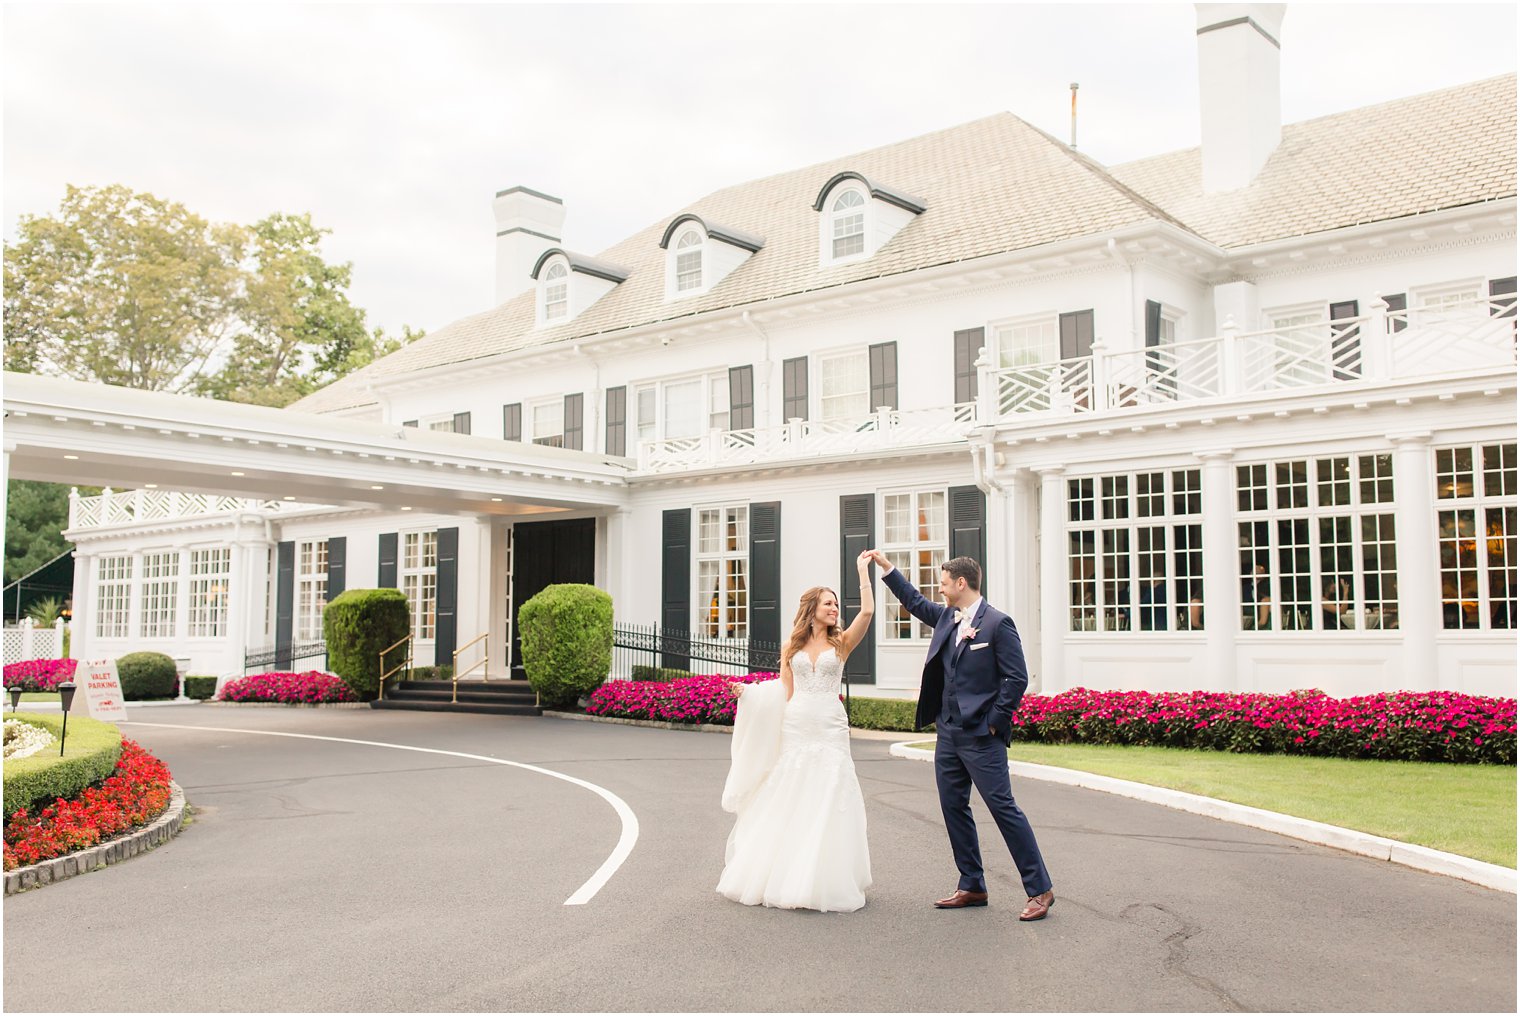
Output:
[[458, 707], [512, 698]]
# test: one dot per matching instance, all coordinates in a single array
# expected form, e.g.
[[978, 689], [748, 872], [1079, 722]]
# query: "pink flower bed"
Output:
[[1438, 726], [309, 687], [39, 675], [701, 699]]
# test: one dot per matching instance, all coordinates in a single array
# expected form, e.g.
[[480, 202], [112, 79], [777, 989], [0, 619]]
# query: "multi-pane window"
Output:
[[1317, 544], [113, 597], [1475, 527], [210, 577], [722, 599], [685, 407], [849, 224], [689, 262], [556, 291], [1026, 343], [846, 386], [916, 539], [549, 423], [1135, 551], [419, 581], [311, 589], [160, 575], [648, 424]]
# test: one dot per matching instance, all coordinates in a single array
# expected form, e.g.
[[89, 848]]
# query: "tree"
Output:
[[35, 514]]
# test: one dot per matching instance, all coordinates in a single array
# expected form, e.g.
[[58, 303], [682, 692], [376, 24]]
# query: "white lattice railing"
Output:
[[26, 641], [120, 507], [1380, 346], [883, 429]]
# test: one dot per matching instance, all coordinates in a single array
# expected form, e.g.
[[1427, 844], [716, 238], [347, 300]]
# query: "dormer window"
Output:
[[689, 261], [849, 214], [857, 217], [700, 254], [556, 291]]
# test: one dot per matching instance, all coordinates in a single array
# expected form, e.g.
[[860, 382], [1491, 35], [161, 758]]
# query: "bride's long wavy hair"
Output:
[[802, 624]]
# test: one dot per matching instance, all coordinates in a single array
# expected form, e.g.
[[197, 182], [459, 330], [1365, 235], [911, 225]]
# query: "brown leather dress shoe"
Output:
[[1038, 906], [961, 898]]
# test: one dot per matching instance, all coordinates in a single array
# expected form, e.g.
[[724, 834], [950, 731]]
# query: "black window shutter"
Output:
[[1501, 295], [387, 577], [968, 526], [617, 420], [1152, 323], [284, 603], [337, 566], [764, 576], [461, 423], [1345, 342], [794, 389], [675, 582], [741, 397], [883, 361], [1076, 334], [857, 532], [968, 343], [1398, 305], [446, 624], [511, 422], [574, 420], [408, 423]]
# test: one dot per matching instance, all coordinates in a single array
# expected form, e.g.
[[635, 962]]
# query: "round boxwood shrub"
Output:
[[566, 642], [147, 676], [356, 626]]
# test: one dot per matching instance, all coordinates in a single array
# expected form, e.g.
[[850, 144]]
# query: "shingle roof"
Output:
[[993, 185], [999, 184], [1427, 152]]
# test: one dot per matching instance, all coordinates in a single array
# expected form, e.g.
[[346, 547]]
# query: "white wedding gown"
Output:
[[800, 838]]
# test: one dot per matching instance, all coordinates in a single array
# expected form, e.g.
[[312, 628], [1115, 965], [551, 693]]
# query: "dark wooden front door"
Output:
[[546, 554]]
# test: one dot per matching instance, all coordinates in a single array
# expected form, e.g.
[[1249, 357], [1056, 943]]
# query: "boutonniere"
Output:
[[968, 634]]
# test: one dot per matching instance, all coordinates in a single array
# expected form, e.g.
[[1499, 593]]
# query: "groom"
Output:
[[972, 682]]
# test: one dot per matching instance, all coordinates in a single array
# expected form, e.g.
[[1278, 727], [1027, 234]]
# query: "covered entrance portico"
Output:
[[183, 460]]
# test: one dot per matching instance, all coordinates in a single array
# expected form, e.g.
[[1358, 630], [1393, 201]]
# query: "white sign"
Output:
[[101, 686]]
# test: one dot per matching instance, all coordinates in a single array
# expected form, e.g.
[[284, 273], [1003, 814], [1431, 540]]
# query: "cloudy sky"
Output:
[[394, 125]]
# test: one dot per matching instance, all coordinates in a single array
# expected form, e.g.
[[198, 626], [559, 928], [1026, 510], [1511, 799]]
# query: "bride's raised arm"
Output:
[[858, 627]]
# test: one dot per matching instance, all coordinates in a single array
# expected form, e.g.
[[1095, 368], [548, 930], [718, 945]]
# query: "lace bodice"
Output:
[[822, 679]]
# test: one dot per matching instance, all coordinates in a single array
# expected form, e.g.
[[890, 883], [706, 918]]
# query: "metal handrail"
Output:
[[485, 656], [406, 662]]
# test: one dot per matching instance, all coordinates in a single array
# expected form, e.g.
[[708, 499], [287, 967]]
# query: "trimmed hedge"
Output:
[[200, 686], [442, 672], [566, 642], [884, 714], [90, 755], [147, 676], [644, 672], [356, 626]]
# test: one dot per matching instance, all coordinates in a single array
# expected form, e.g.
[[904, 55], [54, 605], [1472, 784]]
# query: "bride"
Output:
[[800, 837]]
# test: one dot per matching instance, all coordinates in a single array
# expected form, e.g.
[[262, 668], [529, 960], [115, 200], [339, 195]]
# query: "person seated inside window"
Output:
[[1336, 604], [1153, 604], [1256, 598]]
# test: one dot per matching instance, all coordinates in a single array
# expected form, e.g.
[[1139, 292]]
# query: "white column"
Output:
[[82, 623], [1221, 586], [1418, 570], [5, 486], [1051, 664], [496, 583], [247, 589], [479, 614], [1021, 562]]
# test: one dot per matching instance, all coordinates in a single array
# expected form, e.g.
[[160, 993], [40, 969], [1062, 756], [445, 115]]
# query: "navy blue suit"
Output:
[[970, 688]]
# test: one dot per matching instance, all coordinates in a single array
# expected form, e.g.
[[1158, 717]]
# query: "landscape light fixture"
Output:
[[65, 699], [14, 691]]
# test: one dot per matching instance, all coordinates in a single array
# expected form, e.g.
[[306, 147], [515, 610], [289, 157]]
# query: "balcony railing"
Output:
[[124, 507], [1380, 346], [881, 430]]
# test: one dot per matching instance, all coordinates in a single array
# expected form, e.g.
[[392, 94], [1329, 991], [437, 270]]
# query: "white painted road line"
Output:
[[593, 885]]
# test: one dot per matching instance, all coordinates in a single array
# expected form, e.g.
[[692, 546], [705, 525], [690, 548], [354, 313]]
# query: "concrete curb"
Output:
[[1490, 876], [140, 841], [287, 705]]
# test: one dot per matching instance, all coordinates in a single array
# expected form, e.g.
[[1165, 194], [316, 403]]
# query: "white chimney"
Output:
[[1240, 91], [527, 224]]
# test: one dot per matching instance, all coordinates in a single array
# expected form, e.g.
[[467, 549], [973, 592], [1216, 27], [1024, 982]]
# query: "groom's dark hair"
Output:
[[964, 568]]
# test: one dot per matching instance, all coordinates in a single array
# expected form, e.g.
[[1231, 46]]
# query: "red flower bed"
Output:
[[1435, 726], [133, 795], [310, 686], [702, 699], [39, 675]]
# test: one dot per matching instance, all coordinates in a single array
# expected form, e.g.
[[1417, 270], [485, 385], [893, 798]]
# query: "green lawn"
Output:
[[1468, 810]]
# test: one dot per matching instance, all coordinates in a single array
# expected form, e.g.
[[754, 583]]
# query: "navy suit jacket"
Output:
[[990, 674]]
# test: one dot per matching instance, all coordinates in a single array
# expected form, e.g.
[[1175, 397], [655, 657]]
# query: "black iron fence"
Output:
[[286, 657], [644, 650]]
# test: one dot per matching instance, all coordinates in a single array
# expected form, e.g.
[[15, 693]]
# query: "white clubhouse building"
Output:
[[1235, 417]]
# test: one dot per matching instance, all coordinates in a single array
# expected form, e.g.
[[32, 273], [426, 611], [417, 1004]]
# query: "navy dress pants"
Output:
[[963, 760]]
